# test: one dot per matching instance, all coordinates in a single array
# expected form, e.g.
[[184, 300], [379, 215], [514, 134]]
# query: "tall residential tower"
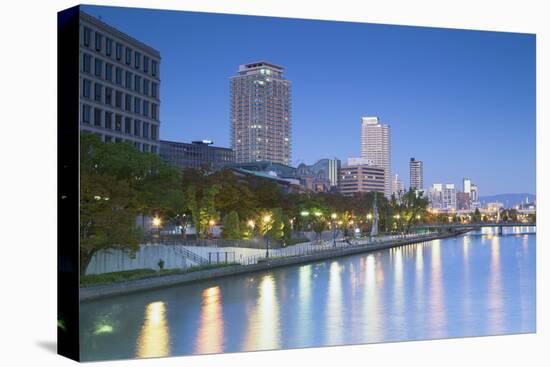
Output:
[[261, 114], [417, 174], [375, 146]]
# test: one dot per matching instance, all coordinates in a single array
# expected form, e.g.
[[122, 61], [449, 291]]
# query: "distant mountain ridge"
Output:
[[508, 200]]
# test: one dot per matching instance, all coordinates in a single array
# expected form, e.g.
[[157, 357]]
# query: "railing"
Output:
[[326, 246], [215, 242], [182, 251]]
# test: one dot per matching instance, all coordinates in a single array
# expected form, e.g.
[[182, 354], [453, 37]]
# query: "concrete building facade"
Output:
[[375, 146], [361, 178], [119, 86], [261, 114]]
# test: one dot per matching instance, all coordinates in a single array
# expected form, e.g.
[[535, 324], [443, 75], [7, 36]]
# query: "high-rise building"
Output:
[[466, 185], [397, 187], [361, 178], [449, 197], [375, 146], [198, 154], [261, 114], [416, 174], [119, 86], [462, 201], [320, 176], [474, 196], [435, 196]]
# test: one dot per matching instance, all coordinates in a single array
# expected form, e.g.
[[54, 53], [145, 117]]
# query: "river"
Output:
[[472, 285]]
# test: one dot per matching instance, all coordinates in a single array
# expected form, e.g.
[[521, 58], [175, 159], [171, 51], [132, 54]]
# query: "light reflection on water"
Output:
[[465, 286]]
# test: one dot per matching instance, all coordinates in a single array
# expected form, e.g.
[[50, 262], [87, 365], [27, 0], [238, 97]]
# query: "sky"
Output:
[[461, 101]]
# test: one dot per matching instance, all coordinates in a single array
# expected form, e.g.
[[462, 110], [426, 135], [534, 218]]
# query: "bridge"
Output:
[[472, 226]]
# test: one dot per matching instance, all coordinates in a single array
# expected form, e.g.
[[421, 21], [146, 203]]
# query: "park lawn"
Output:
[[127, 275]]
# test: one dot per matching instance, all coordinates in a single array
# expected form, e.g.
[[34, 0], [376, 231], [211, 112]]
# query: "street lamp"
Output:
[[304, 215], [252, 225], [266, 219], [397, 216], [156, 223], [333, 216], [212, 223]]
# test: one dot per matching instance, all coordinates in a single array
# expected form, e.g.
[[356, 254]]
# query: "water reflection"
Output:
[[210, 336], [304, 304], [333, 313], [437, 302], [154, 339], [371, 299], [263, 325], [495, 302]]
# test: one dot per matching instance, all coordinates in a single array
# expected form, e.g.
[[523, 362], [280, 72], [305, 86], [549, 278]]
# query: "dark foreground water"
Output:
[[478, 284]]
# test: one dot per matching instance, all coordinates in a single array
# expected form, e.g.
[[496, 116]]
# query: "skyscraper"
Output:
[[261, 114], [397, 187], [375, 146], [417, 174], [119, 86], [466, 185]]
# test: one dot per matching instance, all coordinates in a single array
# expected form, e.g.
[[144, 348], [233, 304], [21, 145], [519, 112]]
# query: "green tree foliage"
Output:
[[116, 183], [277, 225], [231, 226]]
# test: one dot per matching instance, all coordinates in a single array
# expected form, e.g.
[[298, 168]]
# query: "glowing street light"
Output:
[[156, 223], [369, 216], [266, 218], [251, 224], [304, 213], [334, 216]]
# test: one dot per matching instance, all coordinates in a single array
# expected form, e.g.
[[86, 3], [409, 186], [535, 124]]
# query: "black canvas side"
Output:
[[68, 183]]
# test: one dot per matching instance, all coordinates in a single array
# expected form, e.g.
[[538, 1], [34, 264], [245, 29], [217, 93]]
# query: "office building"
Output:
[[261, 114], [119, 86], [397, 187], [466, 185], [435, 196], [463, 201], [321, 176], [361, 178], [449, 197], [416, 174], [375, 146], [198, 154]]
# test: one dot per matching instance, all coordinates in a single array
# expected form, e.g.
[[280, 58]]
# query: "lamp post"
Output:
[[156, 223], [211, 224], [304, 215], [398, 223], [252, 225], [333, 216], [369, 218], [266, 219]]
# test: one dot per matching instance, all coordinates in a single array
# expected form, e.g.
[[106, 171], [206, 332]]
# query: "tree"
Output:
[[231, 228], [276, 230], [477, 216]]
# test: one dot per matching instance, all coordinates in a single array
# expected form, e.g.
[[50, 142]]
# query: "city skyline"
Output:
[[480, 83]]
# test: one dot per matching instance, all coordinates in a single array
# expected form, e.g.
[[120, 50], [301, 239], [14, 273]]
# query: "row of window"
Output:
[[116, 122], [130, 56], [131, 81], [113, 97]]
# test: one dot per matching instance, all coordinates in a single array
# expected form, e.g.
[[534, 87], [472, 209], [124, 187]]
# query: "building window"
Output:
[[128, 83], [128, 125], [154, 90], [137, 105], [146, 86], [154, 149], [97, 91], [98, 41], [97, 117], [118, 99], [154, 111], [154, 66], [86, 63], [118, 51], [118, 140], [86, 88], [86, 111], [108, 46], [137, 84], [137, 145], [128, 56], [108, 138], [109, 72], [146, 130], [87, 34], [118, 76], [146, 148], [108, 96], [137, 60], [137, 127], [145, 64], [108, 120], [145, 108], [154, 132], [118, 122], [128, 102], [98, 67]]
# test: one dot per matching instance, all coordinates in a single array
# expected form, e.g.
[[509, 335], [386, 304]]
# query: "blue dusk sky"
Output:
[[461, 101]]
